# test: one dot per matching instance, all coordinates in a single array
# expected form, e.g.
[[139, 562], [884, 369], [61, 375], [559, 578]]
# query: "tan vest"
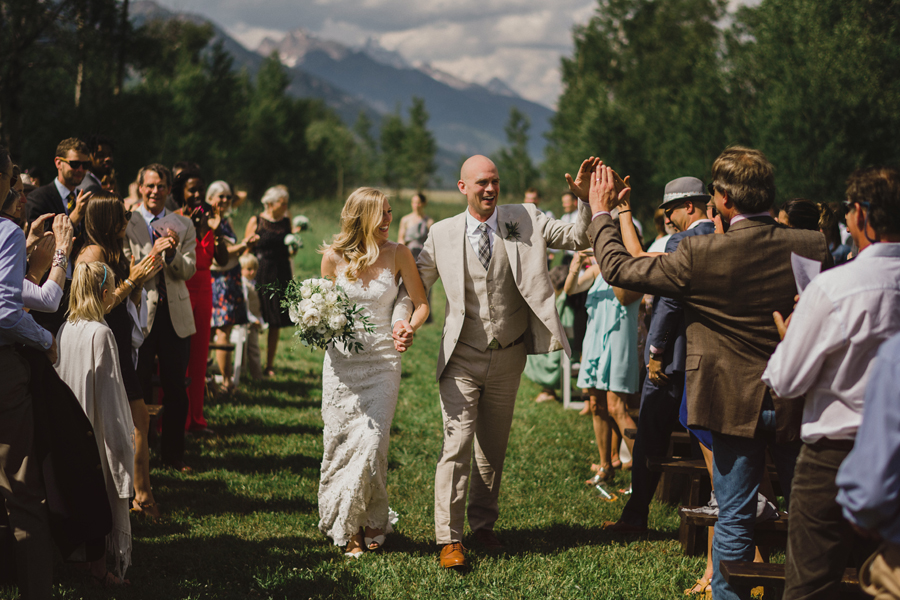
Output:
[[482, 322]]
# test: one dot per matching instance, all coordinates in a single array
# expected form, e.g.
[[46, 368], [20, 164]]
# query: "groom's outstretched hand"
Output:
[[403, 335]]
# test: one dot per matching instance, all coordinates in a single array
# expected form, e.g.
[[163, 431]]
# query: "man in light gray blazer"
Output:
[[500, 307]]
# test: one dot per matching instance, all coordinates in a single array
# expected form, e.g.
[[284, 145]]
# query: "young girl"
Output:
[[89, 364]]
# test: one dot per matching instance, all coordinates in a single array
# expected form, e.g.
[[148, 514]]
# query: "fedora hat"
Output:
[[682, 189]]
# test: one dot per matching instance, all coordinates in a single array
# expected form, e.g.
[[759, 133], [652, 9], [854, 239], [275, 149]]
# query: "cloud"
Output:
[[518, 41]]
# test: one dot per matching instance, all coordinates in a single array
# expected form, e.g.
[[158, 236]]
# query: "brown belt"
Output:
[[829, 444]]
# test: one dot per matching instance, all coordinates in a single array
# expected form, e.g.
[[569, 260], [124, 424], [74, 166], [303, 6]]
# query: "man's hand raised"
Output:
[[581, 185], [606, 194]]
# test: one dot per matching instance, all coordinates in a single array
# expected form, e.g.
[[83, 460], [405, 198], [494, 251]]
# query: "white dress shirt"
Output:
[[474, 235], [42, 298], [842, 318], [16, 326]]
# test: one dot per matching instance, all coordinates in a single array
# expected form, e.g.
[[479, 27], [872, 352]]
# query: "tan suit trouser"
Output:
[[880, 576], [478, 396], [20, 480]]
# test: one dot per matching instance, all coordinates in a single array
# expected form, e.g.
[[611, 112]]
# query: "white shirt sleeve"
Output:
[[43, 298], [813, 334]]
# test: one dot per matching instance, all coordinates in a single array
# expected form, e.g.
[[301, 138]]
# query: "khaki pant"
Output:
[[880, 576], [478, 396], [20, 480]]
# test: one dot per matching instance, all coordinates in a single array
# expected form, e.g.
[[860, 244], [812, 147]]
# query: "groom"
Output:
[[500, 307]]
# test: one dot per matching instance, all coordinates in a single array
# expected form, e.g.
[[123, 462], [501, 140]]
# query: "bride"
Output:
[[359, 391]]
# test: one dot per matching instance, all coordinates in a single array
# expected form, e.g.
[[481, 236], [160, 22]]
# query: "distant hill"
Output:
[[466, 118]]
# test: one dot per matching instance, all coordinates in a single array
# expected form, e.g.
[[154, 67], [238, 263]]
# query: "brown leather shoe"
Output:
[[623, 527], [488, 539], [453, 556]]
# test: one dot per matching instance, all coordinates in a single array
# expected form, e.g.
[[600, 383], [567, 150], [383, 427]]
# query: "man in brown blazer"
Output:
[[170, 321], [500, 307], [730, 285]]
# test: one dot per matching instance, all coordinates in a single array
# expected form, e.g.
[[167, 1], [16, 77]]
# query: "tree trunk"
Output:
[[120, 67]]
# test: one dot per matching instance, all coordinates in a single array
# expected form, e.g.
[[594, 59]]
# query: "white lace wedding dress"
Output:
[[359, 395]]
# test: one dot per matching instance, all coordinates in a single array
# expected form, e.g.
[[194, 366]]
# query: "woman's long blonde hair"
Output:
[[356, 243], [88, 282]]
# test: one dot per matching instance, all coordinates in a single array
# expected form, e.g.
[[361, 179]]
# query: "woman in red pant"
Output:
[[188, 190]]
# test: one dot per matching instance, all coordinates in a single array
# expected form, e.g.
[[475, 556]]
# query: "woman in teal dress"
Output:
[[609, 363]]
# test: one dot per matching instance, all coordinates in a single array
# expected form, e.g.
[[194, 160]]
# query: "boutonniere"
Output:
[[512, 231]]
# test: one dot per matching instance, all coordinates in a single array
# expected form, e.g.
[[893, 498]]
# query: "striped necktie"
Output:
[[70, 202], [484, 246]]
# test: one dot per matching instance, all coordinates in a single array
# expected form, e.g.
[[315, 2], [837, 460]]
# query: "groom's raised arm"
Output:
[[568, 236]]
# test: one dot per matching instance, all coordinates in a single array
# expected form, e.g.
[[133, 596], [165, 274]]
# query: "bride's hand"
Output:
[[403, 335]]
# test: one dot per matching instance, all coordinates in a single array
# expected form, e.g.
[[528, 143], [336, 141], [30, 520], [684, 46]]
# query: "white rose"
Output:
[[294, 312], [317, 298], [337, 322], [305, 291], [304, 306], [331, 297], [311, 317], [321, 329]]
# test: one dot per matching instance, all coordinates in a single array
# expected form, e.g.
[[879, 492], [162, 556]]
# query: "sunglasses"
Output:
[[16, 172], [848, 205], [711, 188], [76, 164]]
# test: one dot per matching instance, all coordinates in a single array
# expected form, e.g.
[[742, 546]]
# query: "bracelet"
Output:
[[130, 284], [624, 211], [60, 260]]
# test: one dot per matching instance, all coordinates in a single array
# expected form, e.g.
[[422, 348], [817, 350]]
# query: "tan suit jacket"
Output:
[[443, 256], [183, 266], [729, 284]]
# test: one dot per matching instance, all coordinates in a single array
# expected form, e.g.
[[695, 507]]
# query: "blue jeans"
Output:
[[738, 465]]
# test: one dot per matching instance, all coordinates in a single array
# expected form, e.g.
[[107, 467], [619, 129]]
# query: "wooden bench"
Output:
[[767, 533], [771, 577]]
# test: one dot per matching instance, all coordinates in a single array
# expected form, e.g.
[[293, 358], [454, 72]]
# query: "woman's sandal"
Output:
[[703, 588], [108, 580], [374, 543], [354, 548], [602, 474], [147, 510]]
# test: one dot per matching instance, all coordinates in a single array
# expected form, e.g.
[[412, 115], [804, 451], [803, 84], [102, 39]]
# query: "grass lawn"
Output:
[[244, 524]]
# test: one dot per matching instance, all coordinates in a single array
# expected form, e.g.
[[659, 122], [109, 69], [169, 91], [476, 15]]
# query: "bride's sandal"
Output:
[[354, 547], [375, 542]]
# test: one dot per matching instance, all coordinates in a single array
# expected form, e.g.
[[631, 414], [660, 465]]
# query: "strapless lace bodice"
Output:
[[359, 395]]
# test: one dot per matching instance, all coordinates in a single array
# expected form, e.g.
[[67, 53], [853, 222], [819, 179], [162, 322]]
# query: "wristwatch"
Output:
[[60, 260]]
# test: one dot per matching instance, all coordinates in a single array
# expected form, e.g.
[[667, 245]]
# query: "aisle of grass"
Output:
[[244, 525]]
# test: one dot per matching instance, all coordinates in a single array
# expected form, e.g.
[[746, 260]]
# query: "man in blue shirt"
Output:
[[868, 482], [20, 478]]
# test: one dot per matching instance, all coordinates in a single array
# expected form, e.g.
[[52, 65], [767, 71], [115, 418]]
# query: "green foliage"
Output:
[[419, 146], [820, 89], [517, 171], [659, 88], [393, 158], [643, 91]]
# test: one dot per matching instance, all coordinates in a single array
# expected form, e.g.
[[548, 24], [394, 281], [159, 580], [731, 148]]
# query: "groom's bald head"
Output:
[[480, 182]]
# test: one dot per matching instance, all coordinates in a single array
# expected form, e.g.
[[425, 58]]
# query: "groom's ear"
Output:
[[462, 187]]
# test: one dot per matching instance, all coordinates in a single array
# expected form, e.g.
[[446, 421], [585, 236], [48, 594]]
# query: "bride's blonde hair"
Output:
[[360, 217]]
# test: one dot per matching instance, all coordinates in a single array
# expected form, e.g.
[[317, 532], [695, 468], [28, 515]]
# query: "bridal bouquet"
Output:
[[324, 314]]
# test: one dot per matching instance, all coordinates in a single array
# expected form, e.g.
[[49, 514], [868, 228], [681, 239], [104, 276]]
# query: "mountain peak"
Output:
[[381, 54], [295, 45], [499, 87]]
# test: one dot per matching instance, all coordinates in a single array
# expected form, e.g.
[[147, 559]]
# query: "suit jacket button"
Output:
[[462, 312], [455, 340]]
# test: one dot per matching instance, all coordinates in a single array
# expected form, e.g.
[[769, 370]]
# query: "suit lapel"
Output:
[[139, 232], [510, 245], [459, 241]]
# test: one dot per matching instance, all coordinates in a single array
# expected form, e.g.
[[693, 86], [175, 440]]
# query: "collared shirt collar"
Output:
[[63, 193], [696, 223], [472, 223], [889, 249], [149, 216], [741, 216]]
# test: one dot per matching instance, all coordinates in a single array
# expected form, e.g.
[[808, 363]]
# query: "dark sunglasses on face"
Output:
[[848, 205], [76, 164], [711, 188]]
